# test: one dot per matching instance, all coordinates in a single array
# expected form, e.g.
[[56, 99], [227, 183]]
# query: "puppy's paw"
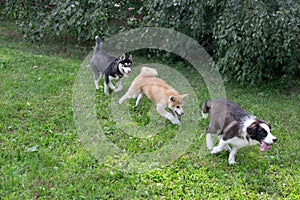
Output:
[[215, 150], [210, 148], [231, 161], [227, 148], [209, 143], [117, 89], [176, 122], [122, 99]]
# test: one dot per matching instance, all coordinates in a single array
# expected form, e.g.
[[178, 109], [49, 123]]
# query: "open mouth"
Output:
[[126, 75], [264, 146]]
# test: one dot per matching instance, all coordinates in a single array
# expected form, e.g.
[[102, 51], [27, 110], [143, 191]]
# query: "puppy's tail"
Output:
[[147, 71], [98, 43], [205, 108]]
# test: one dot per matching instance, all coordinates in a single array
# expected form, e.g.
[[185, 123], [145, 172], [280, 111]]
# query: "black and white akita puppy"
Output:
[[113, 68], [234, 127]]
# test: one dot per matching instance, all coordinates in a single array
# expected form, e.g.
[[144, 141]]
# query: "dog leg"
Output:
[[96, 84], [139, 98], [106, 88], [226, 147], [120, 86], [209, 141], [97, 78], [107, 83], [161, 110], [111, 86], [175, 115], [123, 98], [219, 148], [128, 95], [232, 154]]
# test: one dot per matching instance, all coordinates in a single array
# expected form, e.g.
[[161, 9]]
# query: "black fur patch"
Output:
[[112, 70], [256, 132], [231, 130]]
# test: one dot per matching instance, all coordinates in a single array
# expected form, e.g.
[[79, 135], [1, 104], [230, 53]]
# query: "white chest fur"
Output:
[[241, 142]]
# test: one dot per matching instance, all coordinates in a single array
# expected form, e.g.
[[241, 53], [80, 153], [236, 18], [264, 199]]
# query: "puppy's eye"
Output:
[[178, 107]]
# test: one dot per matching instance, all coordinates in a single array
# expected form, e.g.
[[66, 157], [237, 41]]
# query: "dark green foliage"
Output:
[[251, 41], [254, 44], [83, 19], [192, 17]]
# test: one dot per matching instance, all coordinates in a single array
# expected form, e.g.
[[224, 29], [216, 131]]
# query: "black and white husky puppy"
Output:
[[235, 127], [113, 68]]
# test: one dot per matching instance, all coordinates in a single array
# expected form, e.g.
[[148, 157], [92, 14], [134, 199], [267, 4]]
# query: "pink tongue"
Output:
[[126, 75], [264, 146]]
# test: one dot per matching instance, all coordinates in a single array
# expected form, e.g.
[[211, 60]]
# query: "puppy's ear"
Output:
[[173, 99], [183, 96], [264, 122], [130, 57], [252, 130], [123, 56]]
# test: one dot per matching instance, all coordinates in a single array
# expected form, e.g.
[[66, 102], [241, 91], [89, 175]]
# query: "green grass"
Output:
[[43, 157]]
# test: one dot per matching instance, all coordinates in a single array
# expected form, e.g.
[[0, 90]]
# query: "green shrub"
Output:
[[251, 41], [192, 17], [255, 43], [83, 19]]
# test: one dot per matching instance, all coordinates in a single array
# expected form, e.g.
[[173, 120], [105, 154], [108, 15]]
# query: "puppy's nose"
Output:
[[275, 139], [181, 113]]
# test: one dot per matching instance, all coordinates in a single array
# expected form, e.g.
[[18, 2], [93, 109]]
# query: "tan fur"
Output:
[[158, 91]]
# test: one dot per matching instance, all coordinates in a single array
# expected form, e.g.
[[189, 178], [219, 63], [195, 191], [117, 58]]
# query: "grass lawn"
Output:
[[43, 157]]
